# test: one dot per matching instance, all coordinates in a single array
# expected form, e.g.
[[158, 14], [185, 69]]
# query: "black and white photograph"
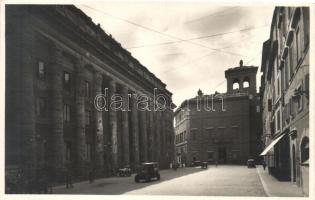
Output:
[[156, 98]]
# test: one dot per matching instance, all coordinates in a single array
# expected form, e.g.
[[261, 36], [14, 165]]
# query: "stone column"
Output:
[[125, 126], [170, 131], [151, 132], [164, 152], [135, 133], [99, 143], [113, 127], [80, 120], [158, 136], [57, 113], [27, 104], [144, 136]]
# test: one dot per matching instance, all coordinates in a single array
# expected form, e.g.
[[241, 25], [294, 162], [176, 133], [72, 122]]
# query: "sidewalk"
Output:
[[275, 188]]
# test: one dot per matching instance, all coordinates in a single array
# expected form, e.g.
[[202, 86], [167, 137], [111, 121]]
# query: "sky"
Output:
[[187, 45]]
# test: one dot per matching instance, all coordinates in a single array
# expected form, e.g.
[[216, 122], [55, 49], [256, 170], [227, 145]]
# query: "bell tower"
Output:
[[241, 79]]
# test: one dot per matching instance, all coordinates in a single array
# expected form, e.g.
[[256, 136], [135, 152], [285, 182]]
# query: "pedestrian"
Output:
[[264, 164], [68, 179], [91, 176], [216, 163]]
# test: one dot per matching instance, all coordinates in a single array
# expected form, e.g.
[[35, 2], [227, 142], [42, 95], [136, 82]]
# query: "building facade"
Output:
[[285, 96], [222, 127], [57, 62]]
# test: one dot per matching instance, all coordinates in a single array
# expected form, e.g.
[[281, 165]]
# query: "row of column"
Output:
[[145, 129], [146, 124]]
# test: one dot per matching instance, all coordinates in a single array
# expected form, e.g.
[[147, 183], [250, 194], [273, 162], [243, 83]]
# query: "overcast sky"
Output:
[[154, 33]]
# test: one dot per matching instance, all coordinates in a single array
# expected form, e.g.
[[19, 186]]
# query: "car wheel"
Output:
[[137, 179]]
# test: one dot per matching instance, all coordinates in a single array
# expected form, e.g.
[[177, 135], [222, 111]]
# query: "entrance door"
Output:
[[222, 155]]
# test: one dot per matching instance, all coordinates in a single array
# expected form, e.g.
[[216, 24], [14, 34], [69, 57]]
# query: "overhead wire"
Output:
[[161, 33], [195, 38], [234, 44]]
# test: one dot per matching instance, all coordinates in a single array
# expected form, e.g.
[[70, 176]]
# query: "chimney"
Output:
[[241, 63]]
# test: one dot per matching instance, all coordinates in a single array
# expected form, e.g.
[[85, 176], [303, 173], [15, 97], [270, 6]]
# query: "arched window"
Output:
[[236, 84], [304, 149], [246, 82]]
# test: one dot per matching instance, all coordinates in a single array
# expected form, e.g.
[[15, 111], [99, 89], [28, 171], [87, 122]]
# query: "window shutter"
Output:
[[269, 105]]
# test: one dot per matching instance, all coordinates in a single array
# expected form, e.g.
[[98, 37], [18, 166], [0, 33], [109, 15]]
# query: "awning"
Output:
[[305, 163], [272, 144]]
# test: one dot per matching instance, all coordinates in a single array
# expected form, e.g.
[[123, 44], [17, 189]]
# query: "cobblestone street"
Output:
[[221, 181]]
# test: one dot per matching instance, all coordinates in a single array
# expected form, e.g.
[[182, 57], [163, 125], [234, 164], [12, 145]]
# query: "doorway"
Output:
[[222, 155]]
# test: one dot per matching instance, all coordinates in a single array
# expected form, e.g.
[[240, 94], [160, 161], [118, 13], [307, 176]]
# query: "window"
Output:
[[210, 133], [41, 70], [278, 120], [68, 151], [300, 100], [287, 71], [66, 113], [272, 127], [87, 89], [306, 22], [87, 118], [278, 86], [88, 151], [245, 84], [67, 81], [236, 86], [193, 134], [269, 105], [292, 110], [304, 149], [221, 132], [257, 109], [40, 107], [298, 44]]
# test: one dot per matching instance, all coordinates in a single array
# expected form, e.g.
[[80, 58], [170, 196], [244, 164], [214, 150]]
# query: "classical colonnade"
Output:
[[118, 138]]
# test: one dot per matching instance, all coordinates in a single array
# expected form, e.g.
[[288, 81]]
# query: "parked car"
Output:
[[147, 172], [204, 165], [251, 163], [123, 172], [196, 163]]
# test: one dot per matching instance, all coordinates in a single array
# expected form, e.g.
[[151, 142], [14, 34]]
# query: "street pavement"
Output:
[[225, 180], [275, 188]]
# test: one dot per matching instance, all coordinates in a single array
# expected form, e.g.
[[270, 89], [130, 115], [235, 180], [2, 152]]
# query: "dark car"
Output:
[[251, 163], [196, 163], [148, 171], [204, 165], [123, 172]]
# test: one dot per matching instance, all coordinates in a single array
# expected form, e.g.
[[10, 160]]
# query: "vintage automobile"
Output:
[[123, 172], [251, 163], [204, 165], [148, 171], [196, 163]]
